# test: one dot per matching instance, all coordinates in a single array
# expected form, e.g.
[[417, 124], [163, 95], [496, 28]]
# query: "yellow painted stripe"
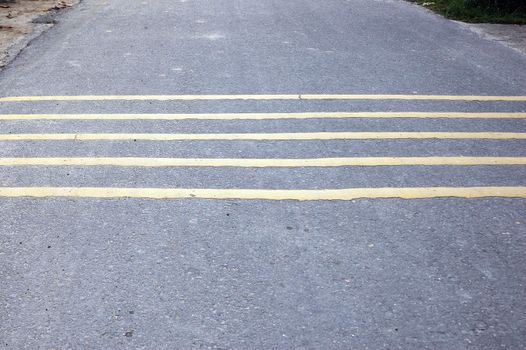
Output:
[[265, 136], [264, 116], [262, 97], [262, 163], [300, 195]]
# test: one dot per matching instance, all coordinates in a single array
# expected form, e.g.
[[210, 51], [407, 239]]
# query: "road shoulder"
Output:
[[23, 21], [510, 35]]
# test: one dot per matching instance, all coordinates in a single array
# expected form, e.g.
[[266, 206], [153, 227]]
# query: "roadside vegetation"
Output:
[[478, 11]]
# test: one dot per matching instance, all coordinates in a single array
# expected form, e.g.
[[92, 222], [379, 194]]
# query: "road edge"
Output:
[[41, 24]]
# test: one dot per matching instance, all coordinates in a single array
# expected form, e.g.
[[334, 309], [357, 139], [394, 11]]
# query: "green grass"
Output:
[[462, 11]]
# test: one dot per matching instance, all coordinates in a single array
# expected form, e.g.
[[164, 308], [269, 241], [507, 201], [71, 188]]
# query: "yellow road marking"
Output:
[[262, 97], [300, 195], [262, 163], [265, 136], [263, 116]]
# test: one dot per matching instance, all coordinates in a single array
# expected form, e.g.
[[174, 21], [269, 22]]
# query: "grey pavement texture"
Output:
[[232, 274], [511, 35]]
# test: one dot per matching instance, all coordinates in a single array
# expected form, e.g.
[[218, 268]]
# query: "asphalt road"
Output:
[[196, 273]]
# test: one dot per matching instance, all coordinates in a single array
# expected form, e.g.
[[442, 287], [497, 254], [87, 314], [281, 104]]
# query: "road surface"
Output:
[[299, 205]]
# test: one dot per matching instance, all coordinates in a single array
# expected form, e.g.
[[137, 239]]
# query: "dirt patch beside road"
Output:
[[22, 20]]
